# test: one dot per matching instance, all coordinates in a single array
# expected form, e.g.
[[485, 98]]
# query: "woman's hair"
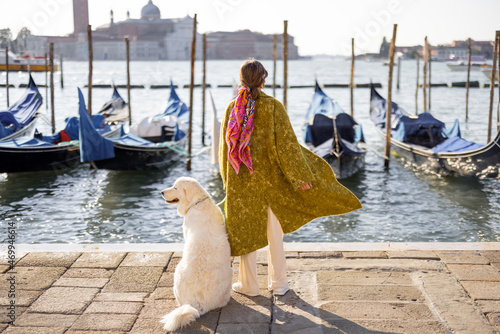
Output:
[[252, 75]]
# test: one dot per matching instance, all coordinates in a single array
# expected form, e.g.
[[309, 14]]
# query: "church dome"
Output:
[[150, 12]]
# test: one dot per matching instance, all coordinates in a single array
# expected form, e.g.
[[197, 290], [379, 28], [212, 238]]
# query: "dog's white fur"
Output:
[[202, 279]]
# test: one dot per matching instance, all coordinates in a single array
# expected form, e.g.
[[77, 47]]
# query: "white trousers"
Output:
[[276, 278]]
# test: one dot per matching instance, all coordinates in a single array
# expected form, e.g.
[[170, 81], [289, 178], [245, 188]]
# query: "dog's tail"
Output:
[[180, 317]]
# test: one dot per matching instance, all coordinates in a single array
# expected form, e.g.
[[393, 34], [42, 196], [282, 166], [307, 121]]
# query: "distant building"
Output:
[[480, 48], [153, 38], [244, 44], [454, 50]]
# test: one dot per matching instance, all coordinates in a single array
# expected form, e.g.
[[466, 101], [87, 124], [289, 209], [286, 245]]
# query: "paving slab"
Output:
[[105, 322], [64, 300], [163, 293], [413, 254], [22, 297], [32, 278], [243, 328], [49, 259], [369, 293], [112, 308], [262, 300], [5, 317], [318, 255], [363, 264], [495, 319], [166, 280], [147, 259], [82, 282], [241, 313], [96, 332], [156, 309], [376, 311], [29, 319], [4, 268], [474, 272], [365, 255], [34, 330], [172, 264], [462, 257], [121, 296], [482, 290], [292, 254], [108, 260], [489, 306], [134, 279], [451, 304], [375, 277], [491, 255], [389, 327], [88, 273]]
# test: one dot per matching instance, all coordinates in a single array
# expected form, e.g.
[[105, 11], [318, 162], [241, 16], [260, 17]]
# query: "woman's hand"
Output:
[[306, 186]]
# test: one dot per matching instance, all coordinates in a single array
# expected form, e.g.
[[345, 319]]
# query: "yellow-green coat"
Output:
[[280, 166]]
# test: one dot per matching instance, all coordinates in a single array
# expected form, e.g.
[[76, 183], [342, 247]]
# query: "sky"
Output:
[[318, 26]]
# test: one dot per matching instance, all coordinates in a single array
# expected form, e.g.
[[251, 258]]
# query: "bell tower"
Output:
[[80, 16]]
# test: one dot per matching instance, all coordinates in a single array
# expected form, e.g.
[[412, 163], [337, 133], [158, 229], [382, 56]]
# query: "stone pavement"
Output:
[[369, 288]]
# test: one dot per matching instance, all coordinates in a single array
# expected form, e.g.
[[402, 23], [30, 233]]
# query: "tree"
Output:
[[21, 38], [5, 38]]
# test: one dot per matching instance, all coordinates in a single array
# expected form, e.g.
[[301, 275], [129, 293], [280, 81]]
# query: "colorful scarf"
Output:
[[239, 130]]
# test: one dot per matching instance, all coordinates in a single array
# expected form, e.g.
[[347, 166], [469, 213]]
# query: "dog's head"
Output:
[[185, 192]]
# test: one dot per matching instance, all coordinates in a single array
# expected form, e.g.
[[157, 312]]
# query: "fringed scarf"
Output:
[[239, 131]]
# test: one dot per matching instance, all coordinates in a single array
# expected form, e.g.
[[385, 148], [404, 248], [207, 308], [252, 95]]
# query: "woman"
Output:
[[273, 184]]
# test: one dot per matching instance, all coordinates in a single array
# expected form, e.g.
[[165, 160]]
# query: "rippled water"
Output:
[[98, 206]]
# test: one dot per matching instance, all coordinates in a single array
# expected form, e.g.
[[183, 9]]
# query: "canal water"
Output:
[[83, 205]]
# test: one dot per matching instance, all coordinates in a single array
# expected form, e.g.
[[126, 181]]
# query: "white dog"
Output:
[[202, 279]]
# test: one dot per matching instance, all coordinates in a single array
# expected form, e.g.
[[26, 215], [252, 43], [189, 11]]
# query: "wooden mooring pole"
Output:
[[492, 85], [285, 61], [467, 83], [429, 60], [61, 70], [399, 72], [424, 85], [416, 89], [51, 65], [191, 89], [89, 38], [46, 82], [275, 39], [388, 112], [203, 88], [351, 85], [7, 74], [127, 51], [498, 104]]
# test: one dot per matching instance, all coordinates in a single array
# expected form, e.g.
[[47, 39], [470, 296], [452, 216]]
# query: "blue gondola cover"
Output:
[[92, 145], [456, 144], [175, 106], [22, 112], [25, 142]]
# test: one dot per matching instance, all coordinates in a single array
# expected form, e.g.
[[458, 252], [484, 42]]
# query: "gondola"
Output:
[[116, 109], [127, 152], [426, 144], [334, 135], [19, 120], [163, 127], [39, 153], [31, 154]]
